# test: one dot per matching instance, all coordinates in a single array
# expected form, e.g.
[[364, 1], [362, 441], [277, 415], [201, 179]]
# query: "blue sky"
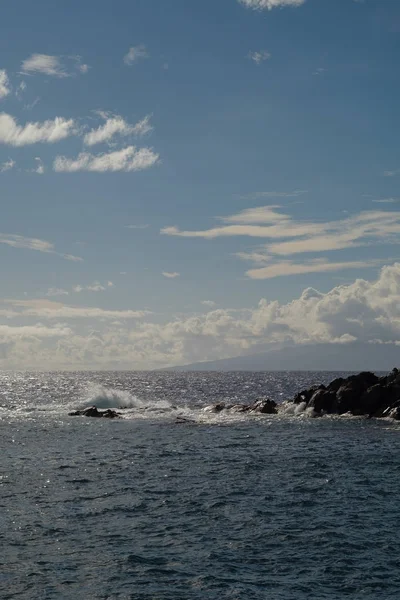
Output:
[[176, 175]]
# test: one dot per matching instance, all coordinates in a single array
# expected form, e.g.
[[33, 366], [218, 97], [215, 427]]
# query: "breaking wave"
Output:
[[104, 397]]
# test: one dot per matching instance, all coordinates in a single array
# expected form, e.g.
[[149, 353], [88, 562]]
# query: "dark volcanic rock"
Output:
[[92, 411], [264, 406], [306, 395], [362, 394], [323, 401]]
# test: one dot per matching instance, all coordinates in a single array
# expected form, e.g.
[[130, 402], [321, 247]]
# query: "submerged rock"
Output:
[[92, 411]]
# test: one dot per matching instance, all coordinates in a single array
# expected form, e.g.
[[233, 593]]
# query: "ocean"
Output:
[[174, 502]]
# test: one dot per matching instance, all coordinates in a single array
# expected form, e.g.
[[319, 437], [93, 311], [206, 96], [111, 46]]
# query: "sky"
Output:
[[189, 180]]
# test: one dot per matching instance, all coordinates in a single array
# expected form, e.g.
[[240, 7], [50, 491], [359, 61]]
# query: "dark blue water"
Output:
[[221, 506]]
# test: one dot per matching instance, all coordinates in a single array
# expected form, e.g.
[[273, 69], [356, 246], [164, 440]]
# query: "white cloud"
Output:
[[33, 331], [391, 173], [144, 226], [128, 159], [47, 309], [27, 243], [259, 57], [40, 168], [288, 236], [7, 165], [363, 310], [82, 68], [135, 53], [210, 303], [48, 131], [270, 4], [20, 90], [53, 66], [5, 87], [56, 292], [96, 286], [257, 195], [387, 201], [283, 268], [314, 236], [173, 275], [116, 125]]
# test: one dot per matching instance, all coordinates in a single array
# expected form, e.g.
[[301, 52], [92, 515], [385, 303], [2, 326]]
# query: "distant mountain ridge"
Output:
[[355, 356]]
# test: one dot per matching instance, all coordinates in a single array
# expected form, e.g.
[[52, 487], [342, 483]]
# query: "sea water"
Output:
[[174, 502]]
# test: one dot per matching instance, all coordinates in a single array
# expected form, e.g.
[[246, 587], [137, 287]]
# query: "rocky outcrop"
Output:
[[263, 406], [92, 411], [362, 394]]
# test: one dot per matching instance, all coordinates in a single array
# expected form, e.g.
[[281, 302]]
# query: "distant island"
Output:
[[355, 357]]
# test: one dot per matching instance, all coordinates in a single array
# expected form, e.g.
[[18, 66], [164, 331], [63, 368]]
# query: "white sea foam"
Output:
[[105, 397]]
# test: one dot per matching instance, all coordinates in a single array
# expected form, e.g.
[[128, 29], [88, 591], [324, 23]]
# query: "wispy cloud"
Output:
[[5, 87], [387, 201], [7, 165], [209, 303], [145, 226], [134, 54], [259, 57], [173, 275], [289, 237], [128, 159], [284, 268], [313, 236], [319, 71], [258, 195], [116, 125], [270, 4], [47, 309], [27, 243], [20, 90], [49, 131], [391, 173], [33, 331], [54, 66]]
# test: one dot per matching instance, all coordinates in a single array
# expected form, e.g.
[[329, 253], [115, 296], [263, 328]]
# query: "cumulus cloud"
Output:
[[93, 287], [128, 159], [270, 4], [173, 275], [7, 165], [259, 57], [134, 54], [5, 87], [40, 168], [27, 243], [116, 125], [367, 311], [54, 66], [50, 131]]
